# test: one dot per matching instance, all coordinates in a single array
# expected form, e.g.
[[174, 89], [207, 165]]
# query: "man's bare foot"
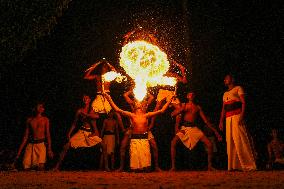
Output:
[[55, 169], [173, 169], [158, 169], [210, 168], [119, 170], [107, 169]]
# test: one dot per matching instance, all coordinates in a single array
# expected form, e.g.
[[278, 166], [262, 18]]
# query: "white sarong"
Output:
[[140, 155], [35, 154], [82, 139], [109, 141], [239, 148], [191, 137]]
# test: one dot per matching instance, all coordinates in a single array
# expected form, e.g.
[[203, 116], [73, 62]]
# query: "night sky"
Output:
[[243, 38]]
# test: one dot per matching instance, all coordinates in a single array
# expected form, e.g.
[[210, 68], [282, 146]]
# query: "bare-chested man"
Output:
[[87, 135], [139, 120], [110, 135], [189, 134], [36, 134], [145, 103]]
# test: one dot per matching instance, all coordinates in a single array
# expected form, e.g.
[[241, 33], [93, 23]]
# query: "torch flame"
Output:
[[112, 75], [146, 64]]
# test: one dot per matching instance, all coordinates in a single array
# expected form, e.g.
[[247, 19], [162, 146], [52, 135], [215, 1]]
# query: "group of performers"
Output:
[[239, 147], [240, 151]]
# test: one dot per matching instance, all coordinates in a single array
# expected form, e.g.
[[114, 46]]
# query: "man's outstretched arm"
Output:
[[24, 141], [114, 106], [88, 73], [183, 78], [208, 124], [151, 114]]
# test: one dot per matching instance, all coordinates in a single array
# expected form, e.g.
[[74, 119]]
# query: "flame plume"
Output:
[[146, 64]]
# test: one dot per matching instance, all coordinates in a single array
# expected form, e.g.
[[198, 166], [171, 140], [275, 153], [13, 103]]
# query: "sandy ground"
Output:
[[92, 179]]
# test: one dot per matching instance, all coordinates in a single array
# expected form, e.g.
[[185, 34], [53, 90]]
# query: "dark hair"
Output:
[[34, 109], [232, 76], [103, 63]]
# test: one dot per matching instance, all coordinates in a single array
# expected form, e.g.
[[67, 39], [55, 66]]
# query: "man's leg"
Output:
[[62, 156], [112, 160], [102, 161], [41, 167], [156, 154], [105, 156], [173, 152], [177, 108], [123, 146], [209, 146]]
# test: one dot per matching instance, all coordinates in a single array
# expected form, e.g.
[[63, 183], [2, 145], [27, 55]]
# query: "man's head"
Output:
[[138, 106], [229, 79], [86, 99], [190, 96], [274, 133], [105, 68], [38, 108]]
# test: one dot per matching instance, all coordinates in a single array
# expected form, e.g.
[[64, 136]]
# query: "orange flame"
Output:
[[112, 75], [146, 64]]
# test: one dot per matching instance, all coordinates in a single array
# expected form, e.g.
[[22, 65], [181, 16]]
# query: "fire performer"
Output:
[[163, 93], [190, 134], [139, 145], [100, 104], [87, 135], [145, 103], [239, 149], [36, 134]]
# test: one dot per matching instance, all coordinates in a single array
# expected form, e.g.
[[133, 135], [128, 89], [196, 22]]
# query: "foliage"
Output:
[[24, 22]]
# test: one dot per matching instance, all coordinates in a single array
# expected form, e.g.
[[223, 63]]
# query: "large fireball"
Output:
[[146, 64]]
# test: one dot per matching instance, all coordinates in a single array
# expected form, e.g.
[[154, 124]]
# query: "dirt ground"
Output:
[[189, 179]]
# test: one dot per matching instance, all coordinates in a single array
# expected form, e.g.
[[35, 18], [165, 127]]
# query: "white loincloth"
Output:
[[239, 148], [166, 94], [101, 105], [109, 141], [279, 160], [140, 155], [82, 139], [35, 154], [191, 137]]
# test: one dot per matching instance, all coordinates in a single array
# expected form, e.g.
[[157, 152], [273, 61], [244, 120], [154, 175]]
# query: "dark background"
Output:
[[243, 38]]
